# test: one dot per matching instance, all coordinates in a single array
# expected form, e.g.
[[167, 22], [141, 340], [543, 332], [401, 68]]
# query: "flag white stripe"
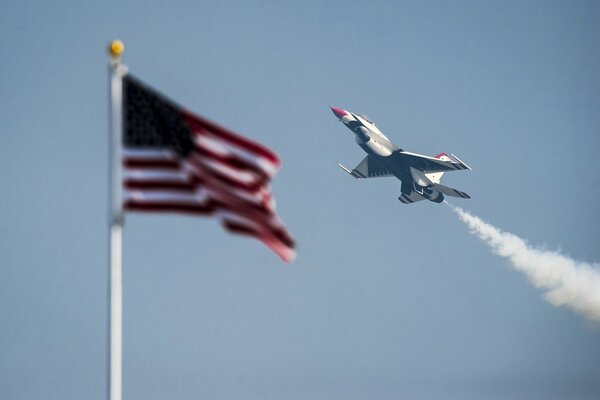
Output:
[[148, 153], [204, 171], [245, 177], [219, 146], [144, 175], [199, 196], [225, 195], [256, 198], [222, 191]]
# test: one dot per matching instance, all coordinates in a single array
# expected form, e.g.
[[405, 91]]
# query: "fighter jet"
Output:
[[420, 174]]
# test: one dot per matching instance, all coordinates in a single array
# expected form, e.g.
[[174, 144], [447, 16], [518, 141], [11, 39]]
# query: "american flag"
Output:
[[175, 161]]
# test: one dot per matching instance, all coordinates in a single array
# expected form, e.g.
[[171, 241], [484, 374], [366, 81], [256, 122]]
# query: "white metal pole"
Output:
[[116, 313], [117, 71]]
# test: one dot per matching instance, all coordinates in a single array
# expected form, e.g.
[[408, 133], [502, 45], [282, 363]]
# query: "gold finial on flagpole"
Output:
[[115, 49]]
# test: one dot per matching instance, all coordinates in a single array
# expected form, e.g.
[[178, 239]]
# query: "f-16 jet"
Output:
[[420, 174]]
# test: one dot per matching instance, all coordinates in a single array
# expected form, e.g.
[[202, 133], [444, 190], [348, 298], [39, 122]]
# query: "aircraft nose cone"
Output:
[[339, 112]]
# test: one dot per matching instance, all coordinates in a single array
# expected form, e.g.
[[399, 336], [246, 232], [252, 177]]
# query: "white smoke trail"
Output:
[[568, 282]]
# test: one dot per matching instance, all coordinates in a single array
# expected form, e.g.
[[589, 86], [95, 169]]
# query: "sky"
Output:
[[385, 300]]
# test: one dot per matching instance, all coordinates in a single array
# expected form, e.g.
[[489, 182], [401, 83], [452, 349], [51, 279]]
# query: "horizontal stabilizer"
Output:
[[413, 197], [448, 191]]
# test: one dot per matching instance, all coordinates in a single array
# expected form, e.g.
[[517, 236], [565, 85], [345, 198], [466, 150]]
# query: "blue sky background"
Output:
[[385, 300]]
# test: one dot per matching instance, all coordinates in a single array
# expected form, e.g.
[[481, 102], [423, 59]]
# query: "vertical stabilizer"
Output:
[[435, 177]]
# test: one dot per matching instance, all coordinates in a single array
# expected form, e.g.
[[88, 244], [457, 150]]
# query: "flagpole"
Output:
[[116, 71]]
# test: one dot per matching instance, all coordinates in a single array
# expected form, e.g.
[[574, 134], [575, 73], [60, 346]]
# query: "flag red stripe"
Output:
[[231, 161], [159, 185], [264, 223], [277, 245], [204, 171], [223, 192], [252, 211], [206, 209], [239, 228], [242, 228], [219, 184], [201, 126], [227, 201], [149, 163], [200, 209]]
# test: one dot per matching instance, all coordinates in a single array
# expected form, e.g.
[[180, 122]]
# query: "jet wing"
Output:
[[368, 168], [431, 164]]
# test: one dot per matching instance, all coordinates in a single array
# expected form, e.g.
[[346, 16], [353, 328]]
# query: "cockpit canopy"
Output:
[[363, 116]]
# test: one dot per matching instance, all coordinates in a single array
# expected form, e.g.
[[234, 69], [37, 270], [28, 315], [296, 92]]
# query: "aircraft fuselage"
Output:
[[420, 174], [374, 143]]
